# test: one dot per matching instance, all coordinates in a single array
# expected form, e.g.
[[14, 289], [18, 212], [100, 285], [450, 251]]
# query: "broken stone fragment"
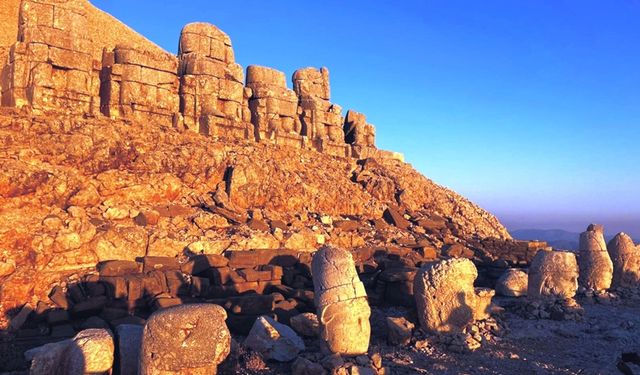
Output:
[[274, 340], [553, 274], [129, 341], [594, 262], [341, 302], [186, 339]]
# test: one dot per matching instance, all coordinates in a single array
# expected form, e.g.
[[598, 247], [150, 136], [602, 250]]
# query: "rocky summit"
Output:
[[134, 182]]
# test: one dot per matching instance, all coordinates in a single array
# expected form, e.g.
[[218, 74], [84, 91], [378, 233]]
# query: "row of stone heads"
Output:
[[597, 266], [196, 336]]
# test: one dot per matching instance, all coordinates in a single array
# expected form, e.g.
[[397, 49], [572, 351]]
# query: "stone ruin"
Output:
[[52, 67], [553, 274]]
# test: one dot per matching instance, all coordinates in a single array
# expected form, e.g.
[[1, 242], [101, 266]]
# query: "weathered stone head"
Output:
[[206, 40], [626, 261], [312, 82], [445, 297], [553, 274], [596, 268], [341, 302]]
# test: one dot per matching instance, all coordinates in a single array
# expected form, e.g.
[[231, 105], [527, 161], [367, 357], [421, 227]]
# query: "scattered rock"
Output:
[[306, 324], [274, 340]]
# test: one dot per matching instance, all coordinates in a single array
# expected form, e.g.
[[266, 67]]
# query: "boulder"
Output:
[[626, 261], [186, 339], [303, 366], [445, 297], [512, 283], [594, 262], [553, 274], [274, 340], [341, 302]]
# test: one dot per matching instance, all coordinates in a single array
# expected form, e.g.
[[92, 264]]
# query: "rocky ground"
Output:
[[592, 346]]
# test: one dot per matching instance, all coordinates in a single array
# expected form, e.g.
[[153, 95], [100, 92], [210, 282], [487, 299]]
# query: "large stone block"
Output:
[[312, 82], [265, 76], [341, 302], [186, 339], [553, 274]]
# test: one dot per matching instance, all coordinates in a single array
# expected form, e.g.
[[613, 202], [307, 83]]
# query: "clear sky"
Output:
[[530, 108]]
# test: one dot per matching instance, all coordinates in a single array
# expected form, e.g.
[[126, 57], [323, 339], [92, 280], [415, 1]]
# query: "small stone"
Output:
[[306, 324]]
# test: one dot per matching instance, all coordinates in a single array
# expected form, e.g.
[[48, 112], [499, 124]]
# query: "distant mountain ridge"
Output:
[[557, 238]]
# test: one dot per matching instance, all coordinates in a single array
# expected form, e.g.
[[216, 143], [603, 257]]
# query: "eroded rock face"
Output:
[[187, 339], [626, 261], [445, 297], [596, 268], [553, 274], [513, 283], [341, 302]]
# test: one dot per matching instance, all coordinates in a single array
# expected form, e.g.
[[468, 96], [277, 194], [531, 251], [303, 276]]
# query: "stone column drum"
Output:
[[596, 268], [446, 300], [553, 274], [185, 340], [626, 261], [341, 302]]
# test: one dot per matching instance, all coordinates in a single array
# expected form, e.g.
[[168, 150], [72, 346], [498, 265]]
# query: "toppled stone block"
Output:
[[117, 267], [513, 283], [626, 261], [191, 339], [274, 340], [445, 297], [341, 302], [596, 268], [553, 274]]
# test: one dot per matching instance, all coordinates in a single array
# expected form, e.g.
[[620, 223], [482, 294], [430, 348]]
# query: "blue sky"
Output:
[[530, 108]]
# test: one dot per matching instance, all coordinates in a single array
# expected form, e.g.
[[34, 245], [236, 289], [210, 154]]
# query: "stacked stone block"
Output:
[[139, 85], [51, 67], [273, 107], [212, 93], [360, 135], [320, 120]]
